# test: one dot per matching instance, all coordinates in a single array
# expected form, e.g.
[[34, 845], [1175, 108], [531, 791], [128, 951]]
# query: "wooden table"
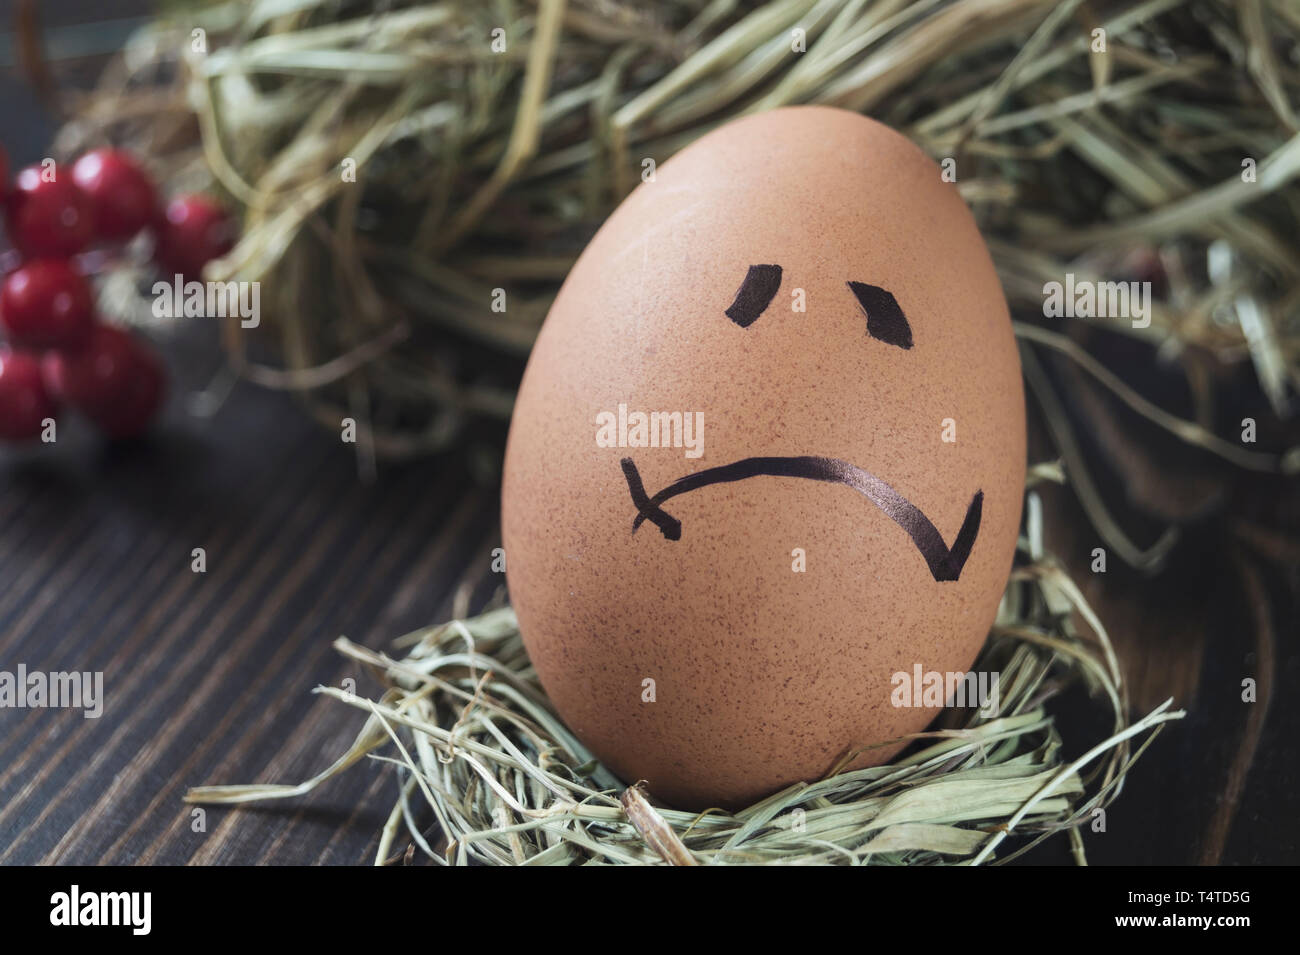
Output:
[[207, 676]]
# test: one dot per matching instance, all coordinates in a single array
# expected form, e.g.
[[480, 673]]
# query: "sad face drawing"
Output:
[[886, 323], [723, 617]]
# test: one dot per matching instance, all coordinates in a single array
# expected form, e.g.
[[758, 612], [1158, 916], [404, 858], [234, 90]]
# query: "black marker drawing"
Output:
[[945, 562], [755, 294], [885, 320]]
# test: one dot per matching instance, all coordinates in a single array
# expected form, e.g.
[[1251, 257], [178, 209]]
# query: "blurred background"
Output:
[[307, 537]]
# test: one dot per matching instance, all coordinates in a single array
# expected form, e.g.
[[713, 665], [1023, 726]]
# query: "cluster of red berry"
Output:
[[56, 351]]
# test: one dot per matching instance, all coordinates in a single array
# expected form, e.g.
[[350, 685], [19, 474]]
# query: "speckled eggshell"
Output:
[[764, 675]]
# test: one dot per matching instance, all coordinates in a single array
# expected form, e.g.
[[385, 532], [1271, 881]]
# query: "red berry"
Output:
[[115, 381], [194, 230], [46, 303], [122, 196], [47, 217], [24, 401]]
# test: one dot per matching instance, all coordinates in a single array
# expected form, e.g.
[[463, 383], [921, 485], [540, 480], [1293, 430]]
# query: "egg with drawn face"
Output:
[[765, 470]]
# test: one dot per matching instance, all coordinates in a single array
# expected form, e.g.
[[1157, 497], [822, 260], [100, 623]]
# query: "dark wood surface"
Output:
[[208, 676]]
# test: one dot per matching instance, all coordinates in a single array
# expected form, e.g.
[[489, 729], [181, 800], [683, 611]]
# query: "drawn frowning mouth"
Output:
[[945, 562]]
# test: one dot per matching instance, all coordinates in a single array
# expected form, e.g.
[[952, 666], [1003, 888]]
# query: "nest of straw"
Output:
[[489, 774], [1107, 139]]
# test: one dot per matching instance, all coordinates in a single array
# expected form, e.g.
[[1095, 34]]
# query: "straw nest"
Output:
[[1153, 139], [480, 752]]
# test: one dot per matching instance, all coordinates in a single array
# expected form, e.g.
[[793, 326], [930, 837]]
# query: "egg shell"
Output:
[[764, 674]]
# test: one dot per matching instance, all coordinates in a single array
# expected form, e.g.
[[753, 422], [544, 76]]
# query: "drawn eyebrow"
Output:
[[885, 320], [755, 294]]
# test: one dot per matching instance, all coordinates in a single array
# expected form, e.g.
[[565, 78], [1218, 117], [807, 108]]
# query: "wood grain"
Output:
[[208, 676]]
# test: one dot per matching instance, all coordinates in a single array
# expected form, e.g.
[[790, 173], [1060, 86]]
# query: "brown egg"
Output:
[[724, 609]]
